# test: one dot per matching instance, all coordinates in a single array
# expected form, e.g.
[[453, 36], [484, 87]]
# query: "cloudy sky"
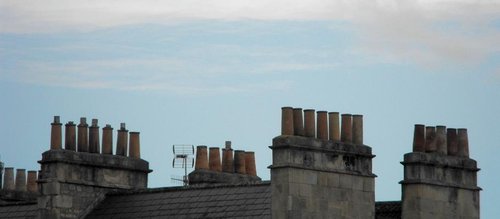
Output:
[[203, 72]]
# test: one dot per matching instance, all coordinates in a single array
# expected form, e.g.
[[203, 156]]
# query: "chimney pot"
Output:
[[250, 163], [346, 135], [430, 139], [463, 143], [122, 126], [441, 140], [419, 138], [135, 145], [107, 139], [21, 180], [122, 141], [322, 125], [94, 146], [309, 123], [201, 158], [228, 144], [227, 160], [214, 159], [70, 138], [452, 142], [83, 135], [57, 119], [239, 162], [32, 185], [8, 183], [55, 135], [333, 122], [298, 122], [357, 129], [286, 121]]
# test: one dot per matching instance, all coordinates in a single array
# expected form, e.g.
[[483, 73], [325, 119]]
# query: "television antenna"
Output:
[[183, 159]]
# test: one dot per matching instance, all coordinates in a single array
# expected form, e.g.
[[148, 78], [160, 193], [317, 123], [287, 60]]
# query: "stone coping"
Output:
[[439, 160]]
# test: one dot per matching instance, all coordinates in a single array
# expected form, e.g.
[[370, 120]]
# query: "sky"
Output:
[[203, 72]]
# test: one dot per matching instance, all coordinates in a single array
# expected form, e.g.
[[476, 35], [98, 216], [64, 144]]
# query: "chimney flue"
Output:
[[441, 140], [8, 178], [298, 122], [122, 141], [239, 162], [463, 143], [55, 134], [309, 123], [346, 135], [107, 139], [419, 138], [70, 136], [452, 142], [357, 129], [286, 121], [322, 125], [227, 159], [201, 158], [94, 146], [32, 185], [334, 130], [21, 180], [214, 159], [430, 139], [135, 145], [83, 137], [250, 163]]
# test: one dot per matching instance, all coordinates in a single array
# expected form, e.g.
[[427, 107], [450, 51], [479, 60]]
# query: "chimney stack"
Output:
[[214, 159], [309, 124], [334, 126], [135, 145], [419, 138], [346, 135], [463, 143], [122, 141], [107, 139], [357, 129], [322, 125], [83, 139], [70, 136], [55, 135], [239, 162], [287, 121], [441, 139], [201, 158], [430, 139], [8, 177], [227, 158], [32, 185], [452, 142], [298, 122], [21, 180], [250, 163], [94, 146]]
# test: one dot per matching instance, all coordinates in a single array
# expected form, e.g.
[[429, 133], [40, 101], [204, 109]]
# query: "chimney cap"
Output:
[[57, 119], [228, 144], [286, 107], [322, 111], [133, 133], [122, 126], [297, 108], [309, 110], [83, 120], [333, 113], [94, 122]]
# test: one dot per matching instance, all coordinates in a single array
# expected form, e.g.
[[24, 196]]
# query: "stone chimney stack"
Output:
[[21, 180], [107, 139], [323, 176], [55, 134], [83, 137], [8, 179], [94, 146], [70, 136], [122, 140], [440, 181]]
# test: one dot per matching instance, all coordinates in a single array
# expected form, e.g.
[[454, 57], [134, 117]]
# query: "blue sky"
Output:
[[203, 72]]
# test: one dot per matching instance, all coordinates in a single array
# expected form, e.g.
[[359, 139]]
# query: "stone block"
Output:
[[346, 181], [62, 201], [333, 180], [369, 184]]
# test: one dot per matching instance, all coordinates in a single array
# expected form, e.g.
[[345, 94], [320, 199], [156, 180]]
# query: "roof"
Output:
[[18, 210], [388, 210], [237, 201]]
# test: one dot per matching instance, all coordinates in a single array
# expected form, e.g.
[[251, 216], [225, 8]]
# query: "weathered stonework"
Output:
[[208, 177], [313, 178], [72, 183]]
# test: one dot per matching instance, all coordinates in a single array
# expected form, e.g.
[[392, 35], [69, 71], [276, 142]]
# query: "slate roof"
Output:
[[237, 201], [18, 210], [388, 210]]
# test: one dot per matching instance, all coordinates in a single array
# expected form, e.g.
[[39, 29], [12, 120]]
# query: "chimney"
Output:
[[346, 135], [32, 185], [287, 121], [357, 129], [322, 125], [441, 140], [239, 162], [135, 145], [227, 158], [94, 146], [250, 163], [83, 138], [419, 138], [309, 126], [70, 136], [298, 122], [21, 180], [122, 141], [430, 139], [201, 158], [333, 118], [214, 159], [107, 139], [463, 143], [55, 134], [8, 177], [452, 142]]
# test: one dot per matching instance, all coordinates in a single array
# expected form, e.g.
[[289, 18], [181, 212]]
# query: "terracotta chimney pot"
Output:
[[334, 130], [309, 123], [286, 121]]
